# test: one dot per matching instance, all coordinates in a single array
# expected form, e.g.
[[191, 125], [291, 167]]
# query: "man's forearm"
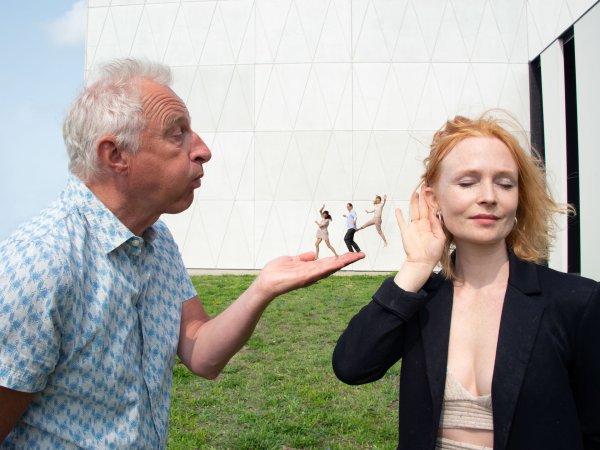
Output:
[[12, 406], [207, 346]]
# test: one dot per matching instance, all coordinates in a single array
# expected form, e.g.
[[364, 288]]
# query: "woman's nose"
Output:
[[487, 193]]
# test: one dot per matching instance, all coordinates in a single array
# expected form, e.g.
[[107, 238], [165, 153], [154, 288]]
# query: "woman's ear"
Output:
[[431, 198]]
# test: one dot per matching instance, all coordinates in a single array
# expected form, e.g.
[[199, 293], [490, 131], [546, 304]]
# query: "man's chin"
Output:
[[181, 205]]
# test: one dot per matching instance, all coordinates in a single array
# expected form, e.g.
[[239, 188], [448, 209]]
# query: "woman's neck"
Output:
[[482, 266]]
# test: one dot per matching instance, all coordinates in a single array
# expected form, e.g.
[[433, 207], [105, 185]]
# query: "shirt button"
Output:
[[135, 243]]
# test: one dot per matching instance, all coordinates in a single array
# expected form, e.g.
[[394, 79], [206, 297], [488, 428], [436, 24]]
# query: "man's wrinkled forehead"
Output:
[[162, 104]]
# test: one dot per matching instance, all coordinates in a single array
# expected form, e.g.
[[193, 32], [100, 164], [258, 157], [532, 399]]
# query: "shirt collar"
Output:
[[109, 230]]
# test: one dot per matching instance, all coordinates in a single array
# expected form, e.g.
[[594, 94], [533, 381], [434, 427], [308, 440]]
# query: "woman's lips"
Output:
[[485, 219]]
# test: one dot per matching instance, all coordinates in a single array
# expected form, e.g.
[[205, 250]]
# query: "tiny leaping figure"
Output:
[[377, 210]]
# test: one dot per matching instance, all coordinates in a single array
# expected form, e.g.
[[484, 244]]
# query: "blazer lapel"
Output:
[[435, 328], [519, 325]]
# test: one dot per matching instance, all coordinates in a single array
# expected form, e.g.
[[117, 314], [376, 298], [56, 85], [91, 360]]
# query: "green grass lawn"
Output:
[[279, 391]]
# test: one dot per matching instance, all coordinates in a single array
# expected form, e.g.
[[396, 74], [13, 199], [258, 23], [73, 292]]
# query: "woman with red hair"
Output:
[[498, 350]]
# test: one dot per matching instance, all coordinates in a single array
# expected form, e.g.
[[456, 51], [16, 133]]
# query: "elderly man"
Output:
[[94, 298]]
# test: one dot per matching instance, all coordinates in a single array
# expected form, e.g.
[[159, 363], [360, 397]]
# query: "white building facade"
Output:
[[312, 102]]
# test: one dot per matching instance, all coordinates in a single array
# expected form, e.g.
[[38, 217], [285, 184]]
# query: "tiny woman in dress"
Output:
[[322, 233], [498, 350], [376, 220]]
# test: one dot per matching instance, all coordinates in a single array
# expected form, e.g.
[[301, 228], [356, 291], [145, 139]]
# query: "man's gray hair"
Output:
[[110, 106]]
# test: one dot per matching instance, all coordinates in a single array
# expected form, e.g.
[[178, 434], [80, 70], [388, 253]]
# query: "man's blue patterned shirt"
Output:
[[89, 318]]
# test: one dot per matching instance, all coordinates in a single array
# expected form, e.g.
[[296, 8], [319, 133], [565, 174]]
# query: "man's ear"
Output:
[[112, 157]]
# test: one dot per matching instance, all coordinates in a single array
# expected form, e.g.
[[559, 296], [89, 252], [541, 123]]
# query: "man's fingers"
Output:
[[342, 260], [307, 256], [333, 263], [350, 257], [330, 265]]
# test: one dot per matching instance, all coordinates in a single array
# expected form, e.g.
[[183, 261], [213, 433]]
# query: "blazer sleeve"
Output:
[[374, 338], [586, 374]]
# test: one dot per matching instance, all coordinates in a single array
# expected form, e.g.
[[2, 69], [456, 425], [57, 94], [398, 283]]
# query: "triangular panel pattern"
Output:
[[510, 18], [236, 249], [429, 16], [489, 45], [371, 42], [450, 45], [334, 44], [270, 154], [144, 41], [180, 50], [410, 46], [468, 17], [271, 20], [547, 20], [335, 174], [161, 19], [108, 44]]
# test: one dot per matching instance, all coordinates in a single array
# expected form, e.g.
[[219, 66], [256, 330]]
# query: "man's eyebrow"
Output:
[[174, 119]]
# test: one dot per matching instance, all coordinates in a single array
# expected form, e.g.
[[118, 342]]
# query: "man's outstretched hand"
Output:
[[286, 273]]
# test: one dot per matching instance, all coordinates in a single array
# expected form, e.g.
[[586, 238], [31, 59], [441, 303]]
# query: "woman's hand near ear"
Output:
[[423, 240]]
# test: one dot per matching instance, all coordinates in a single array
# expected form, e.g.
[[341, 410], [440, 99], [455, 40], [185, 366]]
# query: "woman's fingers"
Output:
[[414, 206], [400, 219], [436, 224], [423, 206]]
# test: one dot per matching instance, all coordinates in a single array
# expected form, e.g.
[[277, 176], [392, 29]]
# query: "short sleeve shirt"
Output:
[[89, 319], [351, 219]]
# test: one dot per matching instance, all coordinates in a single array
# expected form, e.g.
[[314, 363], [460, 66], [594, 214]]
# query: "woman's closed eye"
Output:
[[506, 183], [465, 183], [507, 186]]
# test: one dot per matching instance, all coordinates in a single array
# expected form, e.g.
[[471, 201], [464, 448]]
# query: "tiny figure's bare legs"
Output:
[[331, 248], [367, 224], [317, 247], [377, 224], [380, 231]]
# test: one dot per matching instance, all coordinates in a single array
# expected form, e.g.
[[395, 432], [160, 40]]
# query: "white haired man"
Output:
[[94, 298]]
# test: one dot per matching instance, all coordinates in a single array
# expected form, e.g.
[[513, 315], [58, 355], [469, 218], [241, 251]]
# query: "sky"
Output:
[[42, 45]]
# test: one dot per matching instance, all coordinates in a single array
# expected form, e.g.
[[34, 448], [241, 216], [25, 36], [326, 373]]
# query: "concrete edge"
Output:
[[346, 273]]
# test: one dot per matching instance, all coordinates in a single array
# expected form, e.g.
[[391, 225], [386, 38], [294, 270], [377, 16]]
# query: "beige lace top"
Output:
[[461, 409]]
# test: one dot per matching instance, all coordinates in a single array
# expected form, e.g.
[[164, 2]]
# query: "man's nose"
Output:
[[200, 151]]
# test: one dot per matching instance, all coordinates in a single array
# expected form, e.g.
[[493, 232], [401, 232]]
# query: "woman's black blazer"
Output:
[[546, 382]]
